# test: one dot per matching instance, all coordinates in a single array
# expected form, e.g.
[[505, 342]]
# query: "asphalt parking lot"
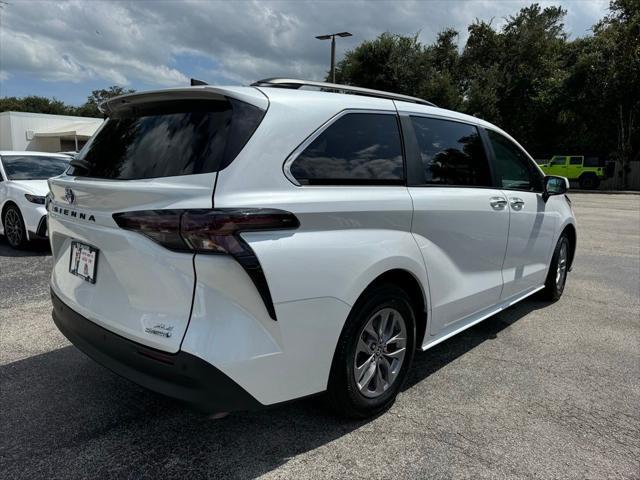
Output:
[[538, 391]]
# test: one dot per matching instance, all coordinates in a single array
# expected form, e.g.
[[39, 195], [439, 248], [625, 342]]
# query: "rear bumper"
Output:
[[182, 375]]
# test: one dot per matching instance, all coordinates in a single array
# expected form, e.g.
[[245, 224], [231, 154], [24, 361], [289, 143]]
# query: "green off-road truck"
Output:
[[587, 171]]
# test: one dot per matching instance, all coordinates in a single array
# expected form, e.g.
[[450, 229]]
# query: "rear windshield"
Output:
[[168, 139], [30, 167]]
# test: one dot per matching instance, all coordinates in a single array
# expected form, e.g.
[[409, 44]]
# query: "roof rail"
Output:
[[296, 84]]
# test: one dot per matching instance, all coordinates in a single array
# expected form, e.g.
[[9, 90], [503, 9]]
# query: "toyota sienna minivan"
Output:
[[238, 247]]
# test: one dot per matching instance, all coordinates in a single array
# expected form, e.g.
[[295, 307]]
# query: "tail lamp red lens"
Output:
[[212, 231], [216, 230], [161, 226]]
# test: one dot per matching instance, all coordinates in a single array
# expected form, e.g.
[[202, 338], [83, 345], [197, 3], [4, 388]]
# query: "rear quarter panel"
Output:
[[348, 236]]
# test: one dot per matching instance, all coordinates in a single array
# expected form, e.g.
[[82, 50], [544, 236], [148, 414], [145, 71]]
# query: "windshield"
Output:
[[31, 167]]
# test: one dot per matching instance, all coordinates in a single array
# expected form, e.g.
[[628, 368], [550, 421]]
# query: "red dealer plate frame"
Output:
[[83, 261]]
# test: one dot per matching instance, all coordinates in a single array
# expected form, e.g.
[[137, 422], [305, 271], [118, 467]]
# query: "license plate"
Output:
[[84, 261]]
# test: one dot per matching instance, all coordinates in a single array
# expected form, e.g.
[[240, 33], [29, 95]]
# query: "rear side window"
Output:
[[451, 152], [575, 160], [357, 149], [513, 168], [168, 139]]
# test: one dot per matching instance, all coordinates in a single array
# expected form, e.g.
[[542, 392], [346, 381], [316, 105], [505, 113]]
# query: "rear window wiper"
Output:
[[80, 163]]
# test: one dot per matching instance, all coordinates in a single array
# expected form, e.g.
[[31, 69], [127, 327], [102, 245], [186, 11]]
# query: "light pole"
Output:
[[332, 36]]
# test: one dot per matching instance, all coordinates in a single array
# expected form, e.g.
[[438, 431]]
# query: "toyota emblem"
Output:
[[69, 196]]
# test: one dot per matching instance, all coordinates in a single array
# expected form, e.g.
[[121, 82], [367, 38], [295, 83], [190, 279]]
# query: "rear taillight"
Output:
[[217, 230], [212, 231], [161, 226]]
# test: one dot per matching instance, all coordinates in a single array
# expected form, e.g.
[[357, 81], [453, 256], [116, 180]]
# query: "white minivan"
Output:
[[238, 247]]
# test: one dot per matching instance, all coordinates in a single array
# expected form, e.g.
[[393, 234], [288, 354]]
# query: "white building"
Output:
[[44, 132]]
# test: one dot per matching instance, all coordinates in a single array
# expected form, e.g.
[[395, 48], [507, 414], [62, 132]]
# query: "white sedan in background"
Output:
[[23, 186]]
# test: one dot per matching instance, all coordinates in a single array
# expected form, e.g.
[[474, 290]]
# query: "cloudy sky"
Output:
[[67, 48]]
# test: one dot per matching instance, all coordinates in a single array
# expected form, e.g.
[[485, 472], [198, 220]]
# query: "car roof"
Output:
[[343, 101], [261, 95]]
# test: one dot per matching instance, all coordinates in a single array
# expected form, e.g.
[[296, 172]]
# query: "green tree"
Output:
[[90, 107], [530, 66], [390, 62], [521, 65], [481, 72], [402, 64], [441, 78], [616, 60], [34, 104]]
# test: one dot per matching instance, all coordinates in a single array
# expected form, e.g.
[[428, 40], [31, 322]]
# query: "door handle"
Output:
[[517, 203], [498, 202]]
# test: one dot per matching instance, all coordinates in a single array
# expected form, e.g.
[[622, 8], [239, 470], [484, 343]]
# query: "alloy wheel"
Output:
[[561, 271], [13, 227], [380, 352]]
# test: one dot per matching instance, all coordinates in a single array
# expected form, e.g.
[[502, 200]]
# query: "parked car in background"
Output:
[[23, 187], [587, 171], [237, 247]]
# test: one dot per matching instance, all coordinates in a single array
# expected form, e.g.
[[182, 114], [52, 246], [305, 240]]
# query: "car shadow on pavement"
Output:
[[63, 415], [429, 362], [36, 248]]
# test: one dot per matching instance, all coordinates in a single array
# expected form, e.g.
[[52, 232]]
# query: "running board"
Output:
[[502, 306]]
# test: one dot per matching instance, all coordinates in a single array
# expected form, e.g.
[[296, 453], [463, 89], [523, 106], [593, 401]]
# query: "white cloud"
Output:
[[163, 43]]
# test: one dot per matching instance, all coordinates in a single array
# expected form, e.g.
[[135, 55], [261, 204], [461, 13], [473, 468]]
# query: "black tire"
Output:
[[589, 182], [555, 283], [343, 393], [14, 229]]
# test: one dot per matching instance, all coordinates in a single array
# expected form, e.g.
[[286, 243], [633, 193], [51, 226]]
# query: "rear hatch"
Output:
[[159, 151]]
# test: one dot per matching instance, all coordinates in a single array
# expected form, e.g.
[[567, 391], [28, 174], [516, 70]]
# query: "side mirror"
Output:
[[554, 186]]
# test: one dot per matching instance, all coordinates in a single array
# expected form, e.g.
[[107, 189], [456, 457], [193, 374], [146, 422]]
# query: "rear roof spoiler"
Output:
[[203, 92]]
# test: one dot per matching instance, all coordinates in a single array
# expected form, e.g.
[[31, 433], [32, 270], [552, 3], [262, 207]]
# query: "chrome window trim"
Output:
[[293, 156]]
